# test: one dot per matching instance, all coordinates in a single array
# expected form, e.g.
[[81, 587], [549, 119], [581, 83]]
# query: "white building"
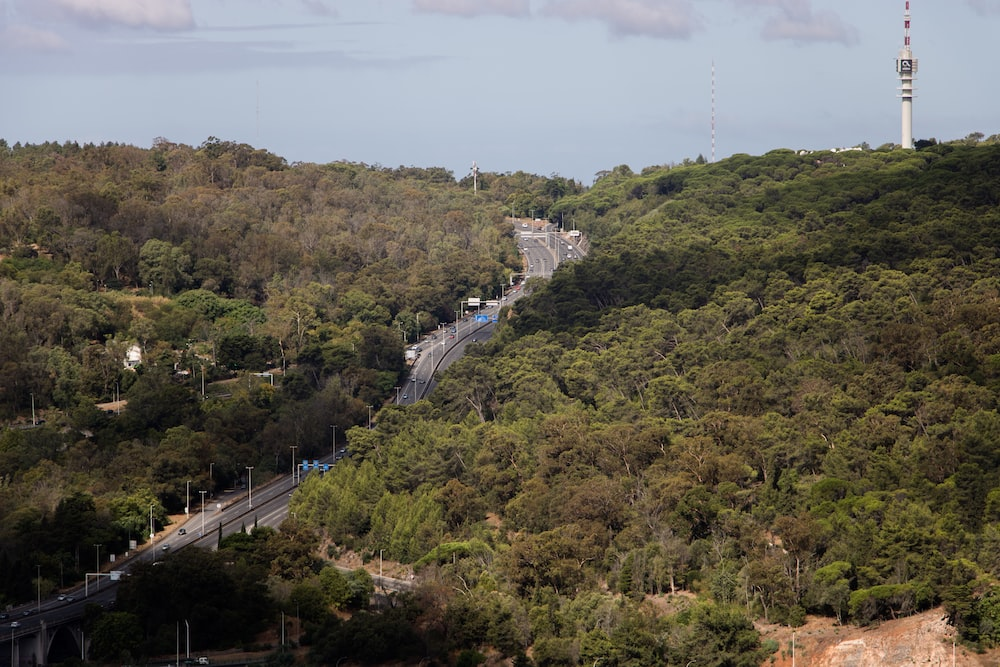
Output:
[[133, 357]]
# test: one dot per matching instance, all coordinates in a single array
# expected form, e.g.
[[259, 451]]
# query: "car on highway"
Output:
[[15, 624], [405, 396], [182, 531]]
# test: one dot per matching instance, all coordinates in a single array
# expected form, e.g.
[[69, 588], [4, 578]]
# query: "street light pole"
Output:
[[187, 500], [381, 583], [152, 528], [202, 512], [98, 566], [334, 427], [38, 584], [294, 447], [397, 395], [250, 486]]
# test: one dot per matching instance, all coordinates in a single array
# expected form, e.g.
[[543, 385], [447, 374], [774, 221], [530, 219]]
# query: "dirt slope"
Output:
[[923, 639]]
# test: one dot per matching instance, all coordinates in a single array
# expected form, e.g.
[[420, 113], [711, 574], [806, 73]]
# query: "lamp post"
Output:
[[33, 422], [152, 528], [98, 547], [187, 500], [381, 583], [397, 395], [294, 447], [334, 427], [38, 584], [250, 486], [211, 478], [202, 512]]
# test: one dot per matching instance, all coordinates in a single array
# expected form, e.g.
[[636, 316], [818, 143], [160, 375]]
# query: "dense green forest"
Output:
[[770, 390]]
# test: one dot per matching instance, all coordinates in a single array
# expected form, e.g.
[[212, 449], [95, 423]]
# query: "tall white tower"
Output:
[[906, 68]]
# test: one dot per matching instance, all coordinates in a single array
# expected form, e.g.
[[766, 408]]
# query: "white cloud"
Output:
[[21, 37], [797, 21], [671, 19], [985, 7], [156, 14], [820, 27], [319, 8], [471, 8]]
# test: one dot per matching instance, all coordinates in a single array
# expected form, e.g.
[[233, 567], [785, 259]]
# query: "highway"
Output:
[[231, 511], [543, 247]]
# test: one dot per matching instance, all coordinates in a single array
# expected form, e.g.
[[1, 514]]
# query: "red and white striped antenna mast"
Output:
[[713, 111], [906, 68]]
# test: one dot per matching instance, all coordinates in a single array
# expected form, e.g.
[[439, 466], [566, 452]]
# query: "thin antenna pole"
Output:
[[713, 110]]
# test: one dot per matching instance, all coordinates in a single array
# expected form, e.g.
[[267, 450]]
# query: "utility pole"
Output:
[[98, 566], [202, 513]]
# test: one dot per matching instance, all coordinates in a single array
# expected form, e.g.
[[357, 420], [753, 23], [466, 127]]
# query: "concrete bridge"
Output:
[[42, 642]]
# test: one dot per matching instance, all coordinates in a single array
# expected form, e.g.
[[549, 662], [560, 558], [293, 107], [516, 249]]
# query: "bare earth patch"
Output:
[[922, 639]]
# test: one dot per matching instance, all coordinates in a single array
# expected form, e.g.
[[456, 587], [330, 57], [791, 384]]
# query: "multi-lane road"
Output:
[[543, 247]]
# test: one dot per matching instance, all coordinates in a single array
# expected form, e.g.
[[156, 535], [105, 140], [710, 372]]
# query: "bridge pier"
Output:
[[43, 645]]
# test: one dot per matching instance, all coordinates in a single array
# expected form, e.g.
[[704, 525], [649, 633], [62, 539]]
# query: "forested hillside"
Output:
[[770, 390], [771, 386], [215, 262]]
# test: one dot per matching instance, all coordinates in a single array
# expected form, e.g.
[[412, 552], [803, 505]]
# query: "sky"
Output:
[[549, 87]]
